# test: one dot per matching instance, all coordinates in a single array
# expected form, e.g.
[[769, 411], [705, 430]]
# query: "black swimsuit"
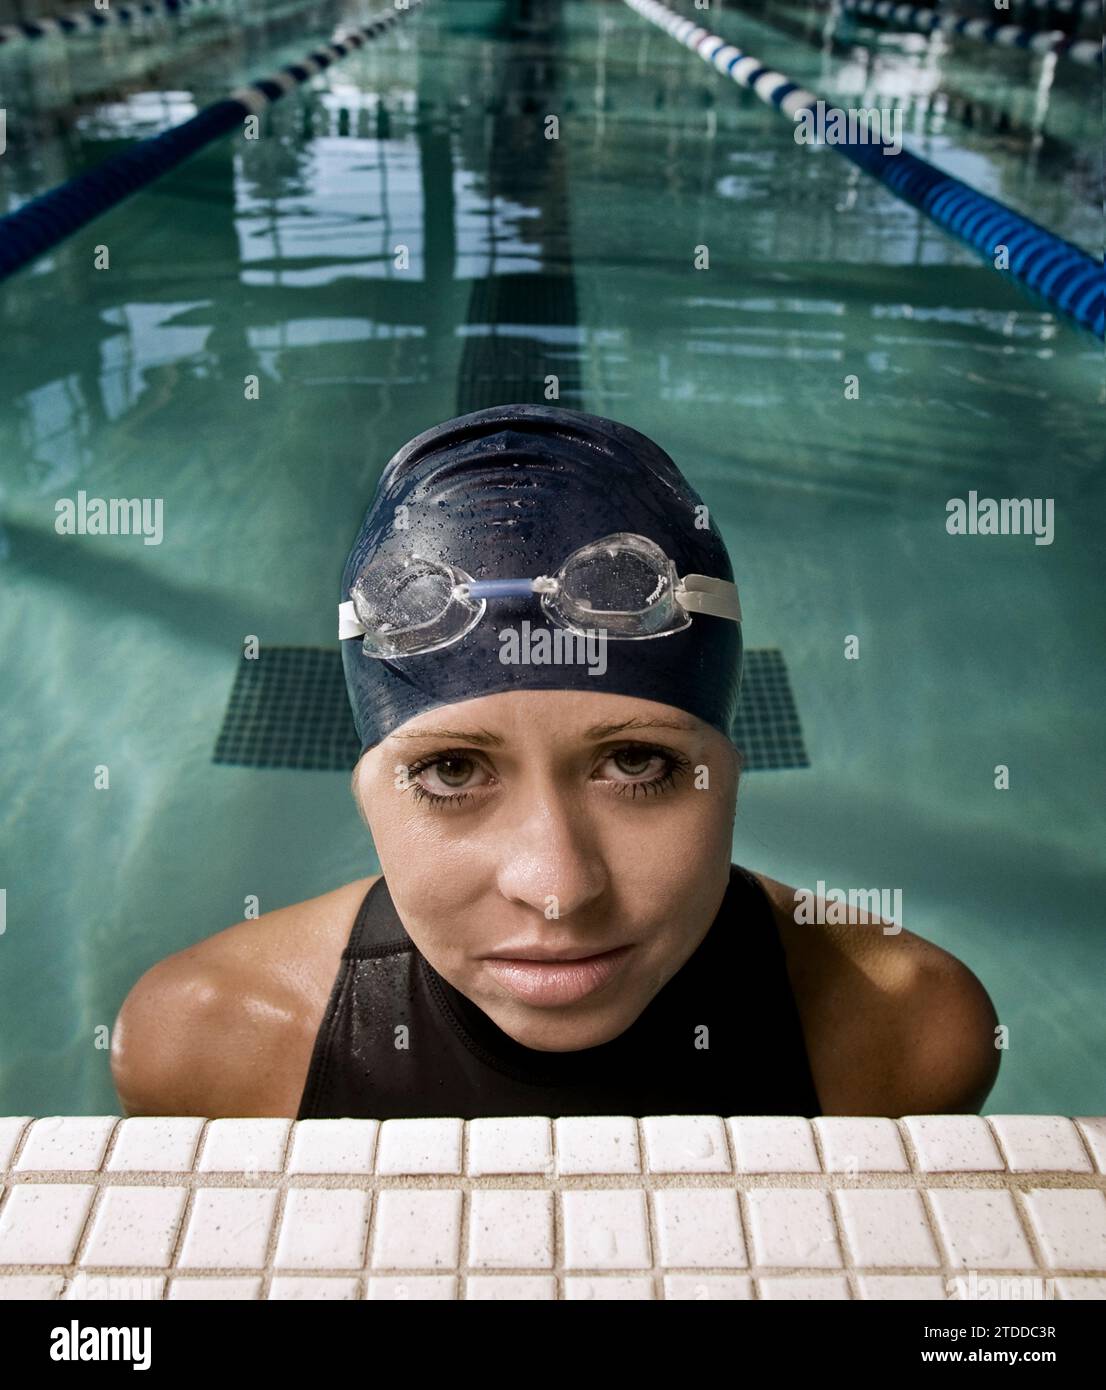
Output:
[[733, 994]]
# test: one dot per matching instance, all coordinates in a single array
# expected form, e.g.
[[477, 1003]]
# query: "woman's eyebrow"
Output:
[[605, 730], [483, 739], [478, 736]]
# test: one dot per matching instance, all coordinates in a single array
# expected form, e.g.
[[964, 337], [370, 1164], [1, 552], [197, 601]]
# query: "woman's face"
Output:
[[555, 823]]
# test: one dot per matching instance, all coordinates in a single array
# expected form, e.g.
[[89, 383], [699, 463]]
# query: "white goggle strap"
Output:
[[349, 625], [699, 593]]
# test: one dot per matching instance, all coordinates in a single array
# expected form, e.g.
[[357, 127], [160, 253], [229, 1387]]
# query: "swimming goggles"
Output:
[[624, 585]]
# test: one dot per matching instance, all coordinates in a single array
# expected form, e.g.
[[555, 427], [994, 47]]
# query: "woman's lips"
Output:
[[549, 983]]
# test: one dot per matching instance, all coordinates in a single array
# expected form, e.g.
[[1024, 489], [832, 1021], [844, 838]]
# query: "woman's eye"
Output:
[[635, 762], [644, 771], [444, 780], [454, 772]]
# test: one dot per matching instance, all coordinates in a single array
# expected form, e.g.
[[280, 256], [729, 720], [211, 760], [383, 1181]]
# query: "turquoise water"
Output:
[[275, 258]]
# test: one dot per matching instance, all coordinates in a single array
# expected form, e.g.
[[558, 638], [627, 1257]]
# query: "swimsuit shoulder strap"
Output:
[[377, 935], [377, 930]]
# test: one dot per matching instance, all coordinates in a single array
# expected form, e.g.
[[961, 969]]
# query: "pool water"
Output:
[[576, 256]]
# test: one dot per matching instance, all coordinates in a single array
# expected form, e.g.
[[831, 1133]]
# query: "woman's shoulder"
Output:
[[221, 1027], [894, 1023]]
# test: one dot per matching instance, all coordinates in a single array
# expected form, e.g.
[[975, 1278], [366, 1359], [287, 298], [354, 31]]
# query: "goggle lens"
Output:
[[613, 581], [624, 585], [411, 606]]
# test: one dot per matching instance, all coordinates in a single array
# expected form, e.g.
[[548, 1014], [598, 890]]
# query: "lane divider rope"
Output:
[[1082, 8], [50, 218], [1062, 274], [1087, 52], [88, 21]]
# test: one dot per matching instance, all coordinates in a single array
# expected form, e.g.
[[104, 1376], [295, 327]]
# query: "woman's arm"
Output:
[[894, 1024], [227, 1026]]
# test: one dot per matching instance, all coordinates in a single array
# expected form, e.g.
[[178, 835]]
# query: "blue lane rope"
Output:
[[1082, 9], [1088, 52], [49, 219], [1066, 277], [90, 20]]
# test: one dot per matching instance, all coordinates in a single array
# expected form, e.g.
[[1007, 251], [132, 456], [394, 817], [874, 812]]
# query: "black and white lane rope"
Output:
[[49, 219], [1062, 274]]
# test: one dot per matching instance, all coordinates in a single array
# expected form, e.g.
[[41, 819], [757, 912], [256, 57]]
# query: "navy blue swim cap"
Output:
[[512, 491]]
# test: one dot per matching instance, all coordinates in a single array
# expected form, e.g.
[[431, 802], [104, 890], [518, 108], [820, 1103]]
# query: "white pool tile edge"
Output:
[[574, 1207]]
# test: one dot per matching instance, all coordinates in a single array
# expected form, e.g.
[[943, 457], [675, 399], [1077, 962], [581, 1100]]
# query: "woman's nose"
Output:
[[552, 860]]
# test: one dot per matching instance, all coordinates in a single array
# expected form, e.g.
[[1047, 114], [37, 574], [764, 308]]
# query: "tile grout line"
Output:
[[97, 1199], [1022, 1213], [651, 1229], [744, 1211], [186, 1213], [1086, 1143], [363, 1275], [851, 1279], [463, 1235], [877, 1179], [559, 1242], [276, 1220], [921, 1181]]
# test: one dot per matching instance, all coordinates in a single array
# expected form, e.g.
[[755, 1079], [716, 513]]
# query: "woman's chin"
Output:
[[567, 1029]]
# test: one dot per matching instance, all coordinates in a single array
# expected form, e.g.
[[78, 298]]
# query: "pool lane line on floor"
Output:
[[515, 365], [1087, 52], [90, 21], [1062, 274], [47, 220]]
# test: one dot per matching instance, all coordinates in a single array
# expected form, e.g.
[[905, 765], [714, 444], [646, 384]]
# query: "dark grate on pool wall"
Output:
[[288, 708]]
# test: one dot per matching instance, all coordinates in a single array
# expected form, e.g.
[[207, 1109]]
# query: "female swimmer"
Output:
[[542, 645]]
